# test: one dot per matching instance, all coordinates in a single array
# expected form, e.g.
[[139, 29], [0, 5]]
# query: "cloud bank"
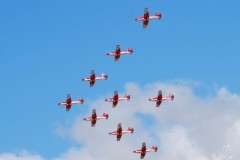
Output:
[[189, 127]]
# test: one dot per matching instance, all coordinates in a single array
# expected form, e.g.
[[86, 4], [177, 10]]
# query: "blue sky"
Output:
[[46, 47]]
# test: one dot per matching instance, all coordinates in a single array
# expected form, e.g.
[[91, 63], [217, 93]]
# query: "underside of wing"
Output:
[[119, 137], [142, 155], [93, 122], [117, 57], [145, 23], [158, 103], [92, 83], [68, 107], [115, 103]]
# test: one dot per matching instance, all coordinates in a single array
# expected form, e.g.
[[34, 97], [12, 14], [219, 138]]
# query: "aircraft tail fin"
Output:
[[130, 50], [171, 96], [105, 76], [154, 148], [158, 15], [80, 100], [105, 115], [131, 129], [127, 96]]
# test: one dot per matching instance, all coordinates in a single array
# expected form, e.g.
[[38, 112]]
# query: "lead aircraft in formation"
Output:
[[144, 150], [94, 117], [120, 131], [68, 103], [160, 98], [145, 18], [116, 98], [118, 52], [93, 78]]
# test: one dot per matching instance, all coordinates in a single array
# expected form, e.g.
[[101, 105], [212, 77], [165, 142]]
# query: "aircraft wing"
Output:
[[115, 103], [158, 103], [92, 83], [119, 137], [93, 122], [145, 23], [68, 107], [117, 57], [143, 155]]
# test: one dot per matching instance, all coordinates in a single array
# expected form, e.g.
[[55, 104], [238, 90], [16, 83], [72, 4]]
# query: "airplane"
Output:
[[119, 131], [118, 52], [93, 78], [116, 98], [145, 18], [94, 117], [68, 103], [144, 150], [160, 98]]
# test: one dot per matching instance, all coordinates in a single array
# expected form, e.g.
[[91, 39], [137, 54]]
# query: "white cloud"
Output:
[[233, 139], [176, 145], [189, 127]]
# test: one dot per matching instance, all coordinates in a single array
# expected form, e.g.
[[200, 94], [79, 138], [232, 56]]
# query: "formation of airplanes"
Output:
[[116, 98]]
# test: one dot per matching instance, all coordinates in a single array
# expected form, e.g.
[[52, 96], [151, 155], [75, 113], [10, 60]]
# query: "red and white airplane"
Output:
[[93, 78], [119, 131], [94, 117], [144, 150], [68, 103], [118, 52], [116, 98], [145, 18], [160, 98]]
